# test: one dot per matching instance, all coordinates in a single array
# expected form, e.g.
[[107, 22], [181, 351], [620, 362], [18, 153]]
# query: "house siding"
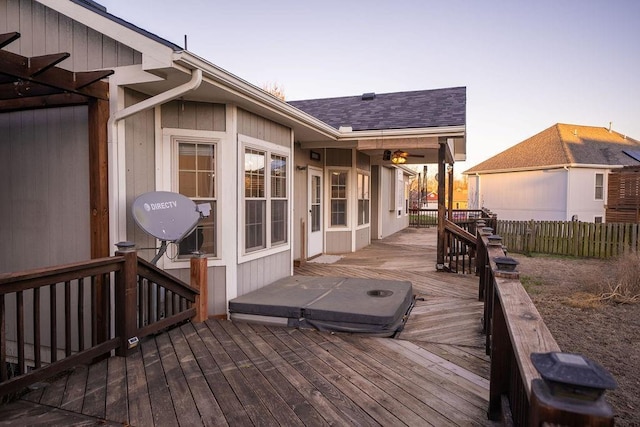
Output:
[[44, 180], [338, 242], [44, 31], [255, 274], [389, 221], [260, 128], [539, 195], [363, 238], [581, 194]]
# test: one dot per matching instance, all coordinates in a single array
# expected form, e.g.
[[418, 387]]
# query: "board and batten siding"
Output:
[[44, 188], [260, 272], [390, 222], [44, 31], [363, 237], [140, 169], [216, 297], [264, 129]]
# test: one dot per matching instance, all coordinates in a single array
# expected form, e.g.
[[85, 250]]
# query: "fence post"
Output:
[[126, 299], [199, 281]]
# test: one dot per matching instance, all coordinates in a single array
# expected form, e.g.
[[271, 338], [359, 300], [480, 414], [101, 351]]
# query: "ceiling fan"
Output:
[[398, 157]]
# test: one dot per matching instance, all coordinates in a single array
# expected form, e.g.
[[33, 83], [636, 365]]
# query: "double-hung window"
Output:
[[363, 199], [197, 180], [266, 202], [338, 198], [599, 187]]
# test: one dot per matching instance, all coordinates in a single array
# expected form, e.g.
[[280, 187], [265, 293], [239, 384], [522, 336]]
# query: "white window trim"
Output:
[[167, 180], [368, 224], [350, 204], [269, 148], [595, 181]]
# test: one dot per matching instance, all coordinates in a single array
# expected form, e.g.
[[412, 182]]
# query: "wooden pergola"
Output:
[[28, 83]]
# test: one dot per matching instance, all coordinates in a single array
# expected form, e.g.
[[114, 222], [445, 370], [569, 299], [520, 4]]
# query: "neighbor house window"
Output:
[[266, 199], [363, 199], [597, 220], [599, 193], [197, 180], [339, 198]]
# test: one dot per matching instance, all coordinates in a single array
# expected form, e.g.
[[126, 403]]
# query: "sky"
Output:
[[527, 65]]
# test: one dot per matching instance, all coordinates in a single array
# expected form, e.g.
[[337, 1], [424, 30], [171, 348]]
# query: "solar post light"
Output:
[[571, 390]]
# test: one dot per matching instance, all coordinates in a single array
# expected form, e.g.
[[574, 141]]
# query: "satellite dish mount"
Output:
[[168, 216]]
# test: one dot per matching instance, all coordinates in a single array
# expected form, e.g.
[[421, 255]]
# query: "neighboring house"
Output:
[[560, 174], [285, 181]]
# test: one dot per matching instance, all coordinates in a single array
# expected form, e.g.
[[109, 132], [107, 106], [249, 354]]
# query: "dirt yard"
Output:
[[609, 333]]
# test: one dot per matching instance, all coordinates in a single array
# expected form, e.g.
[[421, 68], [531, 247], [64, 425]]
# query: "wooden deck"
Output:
[[224, 373]]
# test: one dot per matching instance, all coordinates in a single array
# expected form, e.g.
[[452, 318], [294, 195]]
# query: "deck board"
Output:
[[224, 373]]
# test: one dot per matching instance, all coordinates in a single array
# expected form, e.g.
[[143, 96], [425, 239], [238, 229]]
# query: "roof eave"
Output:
[[244, 89], [538, 168]]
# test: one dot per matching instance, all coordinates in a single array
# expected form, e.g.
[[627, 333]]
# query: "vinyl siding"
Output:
[[338, 242], [44, 182], [44, 31], [258, 127], [255, 274]]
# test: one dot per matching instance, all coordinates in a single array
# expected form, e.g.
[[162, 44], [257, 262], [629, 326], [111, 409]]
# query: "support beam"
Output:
[[441, 205], [98, 178], [450, 191]]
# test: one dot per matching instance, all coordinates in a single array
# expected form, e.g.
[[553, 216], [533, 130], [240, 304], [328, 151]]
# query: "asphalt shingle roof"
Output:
[[564, 144], [398, 110]]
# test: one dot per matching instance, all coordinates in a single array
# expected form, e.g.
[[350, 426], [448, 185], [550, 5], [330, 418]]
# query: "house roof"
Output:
[[102, 11], [564, 145], [399, 110]]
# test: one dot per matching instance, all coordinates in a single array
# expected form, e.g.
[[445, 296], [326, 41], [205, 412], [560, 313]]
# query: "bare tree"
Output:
[[275, 89]]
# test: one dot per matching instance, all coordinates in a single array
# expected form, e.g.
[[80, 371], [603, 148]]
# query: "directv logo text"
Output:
[[162, 205]]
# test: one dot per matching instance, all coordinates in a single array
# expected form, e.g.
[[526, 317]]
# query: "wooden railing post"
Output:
[[199, 281], [126, 299]]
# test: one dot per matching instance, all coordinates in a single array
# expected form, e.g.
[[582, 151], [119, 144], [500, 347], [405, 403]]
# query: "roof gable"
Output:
[[398, 110], [564, 144]]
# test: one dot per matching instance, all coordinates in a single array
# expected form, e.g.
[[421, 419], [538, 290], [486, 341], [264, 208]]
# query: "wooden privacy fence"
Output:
[[573, 238], [53, 319]]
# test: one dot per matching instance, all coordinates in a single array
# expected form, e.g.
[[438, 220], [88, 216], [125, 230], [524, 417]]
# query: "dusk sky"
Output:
[[526, 64]]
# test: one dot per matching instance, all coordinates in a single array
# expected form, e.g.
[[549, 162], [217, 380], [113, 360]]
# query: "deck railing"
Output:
[[52, 319], [514, 331]]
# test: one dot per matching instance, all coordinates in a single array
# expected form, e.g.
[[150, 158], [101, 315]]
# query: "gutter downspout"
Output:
[[567, 193], [117, 181]]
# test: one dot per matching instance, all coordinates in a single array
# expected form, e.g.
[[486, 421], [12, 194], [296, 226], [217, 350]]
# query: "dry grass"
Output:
[[624, 286]]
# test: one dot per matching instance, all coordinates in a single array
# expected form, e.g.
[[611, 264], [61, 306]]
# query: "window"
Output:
[[363, 199], [599, 193], [338, 198], [197, 180], [597, 220], [278, 199], [266, 202]]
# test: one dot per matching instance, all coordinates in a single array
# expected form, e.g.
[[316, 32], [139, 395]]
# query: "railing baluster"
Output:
[[53, 332], [67, 318], [92, 315], [36, 329], [3, 342], [20, 331], [80, 314]]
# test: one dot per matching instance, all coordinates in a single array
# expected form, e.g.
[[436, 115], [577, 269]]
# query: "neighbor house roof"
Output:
[[399, 110], [565, 144]]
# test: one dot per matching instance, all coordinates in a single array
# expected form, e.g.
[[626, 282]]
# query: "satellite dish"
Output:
[[167, 216]]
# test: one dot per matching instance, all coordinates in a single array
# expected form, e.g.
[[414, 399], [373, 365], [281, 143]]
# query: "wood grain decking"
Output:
[[224, 373]]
